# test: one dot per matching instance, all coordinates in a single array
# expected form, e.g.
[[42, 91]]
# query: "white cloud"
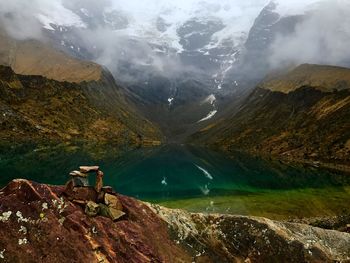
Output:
[[322, 38], [24, 19]]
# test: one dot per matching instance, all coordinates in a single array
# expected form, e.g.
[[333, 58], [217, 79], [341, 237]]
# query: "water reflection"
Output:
[[173, 172]]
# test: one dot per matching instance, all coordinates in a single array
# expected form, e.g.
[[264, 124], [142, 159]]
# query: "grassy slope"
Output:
[[304, 122], [36, 108], [31, 57], [322, 77]]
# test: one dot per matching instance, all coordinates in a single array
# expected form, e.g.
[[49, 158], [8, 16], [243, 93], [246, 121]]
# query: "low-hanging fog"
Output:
[[323, 37], [143, 35]]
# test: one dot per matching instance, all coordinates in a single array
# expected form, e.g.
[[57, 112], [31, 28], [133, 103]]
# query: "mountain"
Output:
[[39, 222], [183, 67], [183, 61], [37, 109], [49, 95], [169, 60], [254, 61], [301, 114]]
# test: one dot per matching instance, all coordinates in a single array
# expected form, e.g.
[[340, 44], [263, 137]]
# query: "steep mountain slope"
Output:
[[39, 223], [38, 109], [303, 114], [52, 95], [32, 57]]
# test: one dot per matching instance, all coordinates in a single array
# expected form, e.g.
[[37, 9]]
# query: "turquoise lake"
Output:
[[193, 178]]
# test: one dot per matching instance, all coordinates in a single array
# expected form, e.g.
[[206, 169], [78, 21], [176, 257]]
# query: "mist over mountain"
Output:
[[138, 39], [187, 58]]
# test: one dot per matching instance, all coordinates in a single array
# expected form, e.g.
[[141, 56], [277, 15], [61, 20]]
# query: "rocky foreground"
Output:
[[38, 223]]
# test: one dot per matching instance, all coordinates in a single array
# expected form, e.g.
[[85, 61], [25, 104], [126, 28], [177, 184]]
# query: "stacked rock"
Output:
[[80, 178], [98, 200]]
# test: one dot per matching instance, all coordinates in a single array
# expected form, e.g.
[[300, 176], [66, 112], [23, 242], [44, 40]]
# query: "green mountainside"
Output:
[[302, 115]]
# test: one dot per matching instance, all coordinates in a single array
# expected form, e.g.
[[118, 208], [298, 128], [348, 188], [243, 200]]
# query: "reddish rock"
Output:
[[81, 193], [107, 189], [67, 234], [39, 224]]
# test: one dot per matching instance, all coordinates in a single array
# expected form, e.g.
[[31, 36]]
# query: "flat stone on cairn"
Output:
[[80, 178], [89, 169], [78, 174]]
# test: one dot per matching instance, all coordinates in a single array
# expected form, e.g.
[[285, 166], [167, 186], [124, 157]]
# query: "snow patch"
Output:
[[210, 99], [170, 101], [209, 116]]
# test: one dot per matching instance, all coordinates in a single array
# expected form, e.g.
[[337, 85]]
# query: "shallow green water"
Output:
[[193, 178]]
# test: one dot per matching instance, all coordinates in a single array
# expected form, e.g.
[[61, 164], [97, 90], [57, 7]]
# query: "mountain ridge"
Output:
[[324, 77], [309, 123], [32, 57]]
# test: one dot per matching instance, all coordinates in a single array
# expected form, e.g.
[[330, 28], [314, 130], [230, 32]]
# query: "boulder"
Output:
[[82, 193], [115, 214], [112, 201], [92, 209], [110, 212]]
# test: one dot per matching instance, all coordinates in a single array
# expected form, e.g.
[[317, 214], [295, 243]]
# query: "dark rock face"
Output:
[[254, 62], [196, 34], [38, 224]]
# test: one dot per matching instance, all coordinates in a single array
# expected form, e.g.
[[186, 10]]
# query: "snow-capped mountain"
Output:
[[162, 39], [171, 59], [171, 56]]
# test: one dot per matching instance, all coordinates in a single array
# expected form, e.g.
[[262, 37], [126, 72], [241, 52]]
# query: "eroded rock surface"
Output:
[[39, 224]]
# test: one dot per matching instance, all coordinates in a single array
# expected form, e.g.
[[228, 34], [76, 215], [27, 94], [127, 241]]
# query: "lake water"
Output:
[[192, 178]]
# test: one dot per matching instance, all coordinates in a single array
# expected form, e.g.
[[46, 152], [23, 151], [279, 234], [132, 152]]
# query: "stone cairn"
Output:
[[98, 200]]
